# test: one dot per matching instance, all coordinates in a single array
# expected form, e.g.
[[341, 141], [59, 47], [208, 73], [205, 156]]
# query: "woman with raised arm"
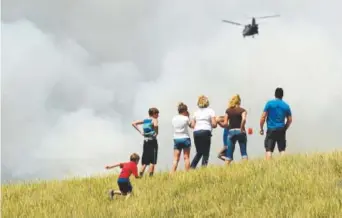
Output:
[[235, 120], [203, 122], [181, 137]]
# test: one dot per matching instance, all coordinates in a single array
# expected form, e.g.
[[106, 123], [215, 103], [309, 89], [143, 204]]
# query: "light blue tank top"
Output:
[[148, 128]]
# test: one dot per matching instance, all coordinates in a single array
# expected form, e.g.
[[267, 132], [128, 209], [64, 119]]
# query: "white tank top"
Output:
[[203, 119]]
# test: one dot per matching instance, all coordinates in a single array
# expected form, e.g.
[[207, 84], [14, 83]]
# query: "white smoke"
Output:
[[73, 78]]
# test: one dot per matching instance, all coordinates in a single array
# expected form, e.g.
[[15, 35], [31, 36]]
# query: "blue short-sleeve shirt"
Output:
[[277, 110]]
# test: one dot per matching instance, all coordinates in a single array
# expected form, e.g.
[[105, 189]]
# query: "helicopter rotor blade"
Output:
[[267, 16], [231, 22]]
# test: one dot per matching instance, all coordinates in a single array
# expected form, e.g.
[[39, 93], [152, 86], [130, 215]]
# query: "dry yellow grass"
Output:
[[292, 186]]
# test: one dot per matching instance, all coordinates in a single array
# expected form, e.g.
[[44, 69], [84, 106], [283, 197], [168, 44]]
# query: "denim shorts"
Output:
[[180, 144]]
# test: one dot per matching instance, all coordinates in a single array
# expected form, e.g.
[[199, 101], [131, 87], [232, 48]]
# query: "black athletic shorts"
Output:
[[125, 186], [275, 136], [150, 152]]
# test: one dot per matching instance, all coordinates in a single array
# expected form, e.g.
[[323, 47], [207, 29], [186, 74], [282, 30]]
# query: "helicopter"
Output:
[[250, 29]]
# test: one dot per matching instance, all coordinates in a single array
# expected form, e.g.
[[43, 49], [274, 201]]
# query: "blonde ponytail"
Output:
[[234, 101]]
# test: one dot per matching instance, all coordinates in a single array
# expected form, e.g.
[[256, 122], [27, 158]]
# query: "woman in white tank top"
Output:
[[203, 122]]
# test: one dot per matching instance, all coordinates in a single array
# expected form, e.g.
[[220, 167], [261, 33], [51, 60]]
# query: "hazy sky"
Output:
[[75, 74]]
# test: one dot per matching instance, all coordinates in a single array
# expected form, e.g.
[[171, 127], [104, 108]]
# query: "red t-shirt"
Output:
[[128, 169]]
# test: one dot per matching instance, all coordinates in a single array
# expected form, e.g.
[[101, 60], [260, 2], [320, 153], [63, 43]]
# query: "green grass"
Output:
[[291, 186]]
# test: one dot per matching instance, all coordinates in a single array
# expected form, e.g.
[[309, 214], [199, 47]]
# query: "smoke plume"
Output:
[[76, 74]]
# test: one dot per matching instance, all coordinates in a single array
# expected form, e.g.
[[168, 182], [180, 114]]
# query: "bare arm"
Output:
[[288, 118], [263, 117], [243, 121], [220, 120], [224, 123], [288, 122], [112, 166], [155, 125], [135, 173], [135, 125], [262, 122], [213, 122], [213, 119], [192, 123]]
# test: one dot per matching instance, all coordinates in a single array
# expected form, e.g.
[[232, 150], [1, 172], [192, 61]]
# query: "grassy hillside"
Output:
[[292, 186]]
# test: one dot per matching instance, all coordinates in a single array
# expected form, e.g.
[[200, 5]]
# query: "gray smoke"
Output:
[[76, 74]]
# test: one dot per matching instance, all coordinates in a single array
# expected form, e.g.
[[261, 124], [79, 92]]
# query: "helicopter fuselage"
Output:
[[250, 30]]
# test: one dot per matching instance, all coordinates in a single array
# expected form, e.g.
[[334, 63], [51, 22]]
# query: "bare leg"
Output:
[[221, 153], [176, 155], [112, 193], [268, 155], [143, 167], [186, 154], [117, 192], [151, 168], [127, 196], [228, 161]]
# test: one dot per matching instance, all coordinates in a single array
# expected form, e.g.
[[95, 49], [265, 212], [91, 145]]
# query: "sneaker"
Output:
[[111, 194]]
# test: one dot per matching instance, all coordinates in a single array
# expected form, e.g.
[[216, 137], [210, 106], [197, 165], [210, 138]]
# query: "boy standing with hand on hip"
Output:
[[149, 132]]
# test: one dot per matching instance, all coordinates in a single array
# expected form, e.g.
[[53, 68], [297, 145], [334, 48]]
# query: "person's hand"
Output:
[[243, 130], [261, 132], [107, 167]]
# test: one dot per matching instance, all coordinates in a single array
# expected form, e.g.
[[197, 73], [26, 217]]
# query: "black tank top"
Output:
[[235, 117]]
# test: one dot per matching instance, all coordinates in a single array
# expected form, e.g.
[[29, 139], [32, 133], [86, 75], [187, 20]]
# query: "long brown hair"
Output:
[[182, 108]]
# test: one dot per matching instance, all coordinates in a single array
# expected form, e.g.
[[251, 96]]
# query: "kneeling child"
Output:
[[124, 183]]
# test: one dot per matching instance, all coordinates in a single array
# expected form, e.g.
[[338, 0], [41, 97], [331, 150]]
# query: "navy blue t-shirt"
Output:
[[277, 111]]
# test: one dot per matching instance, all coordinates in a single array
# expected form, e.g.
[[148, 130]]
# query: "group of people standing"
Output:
[[203, 121]]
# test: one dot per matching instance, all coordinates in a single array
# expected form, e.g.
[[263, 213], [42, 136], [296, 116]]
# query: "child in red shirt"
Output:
[[124, 183]]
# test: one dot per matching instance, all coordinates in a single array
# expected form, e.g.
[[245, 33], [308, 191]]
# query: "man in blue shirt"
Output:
[[275, 112]]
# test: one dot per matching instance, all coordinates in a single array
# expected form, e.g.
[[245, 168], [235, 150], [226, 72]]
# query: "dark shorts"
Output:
[[150, 152], [125, 186], [180, 144], [275, 136]]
